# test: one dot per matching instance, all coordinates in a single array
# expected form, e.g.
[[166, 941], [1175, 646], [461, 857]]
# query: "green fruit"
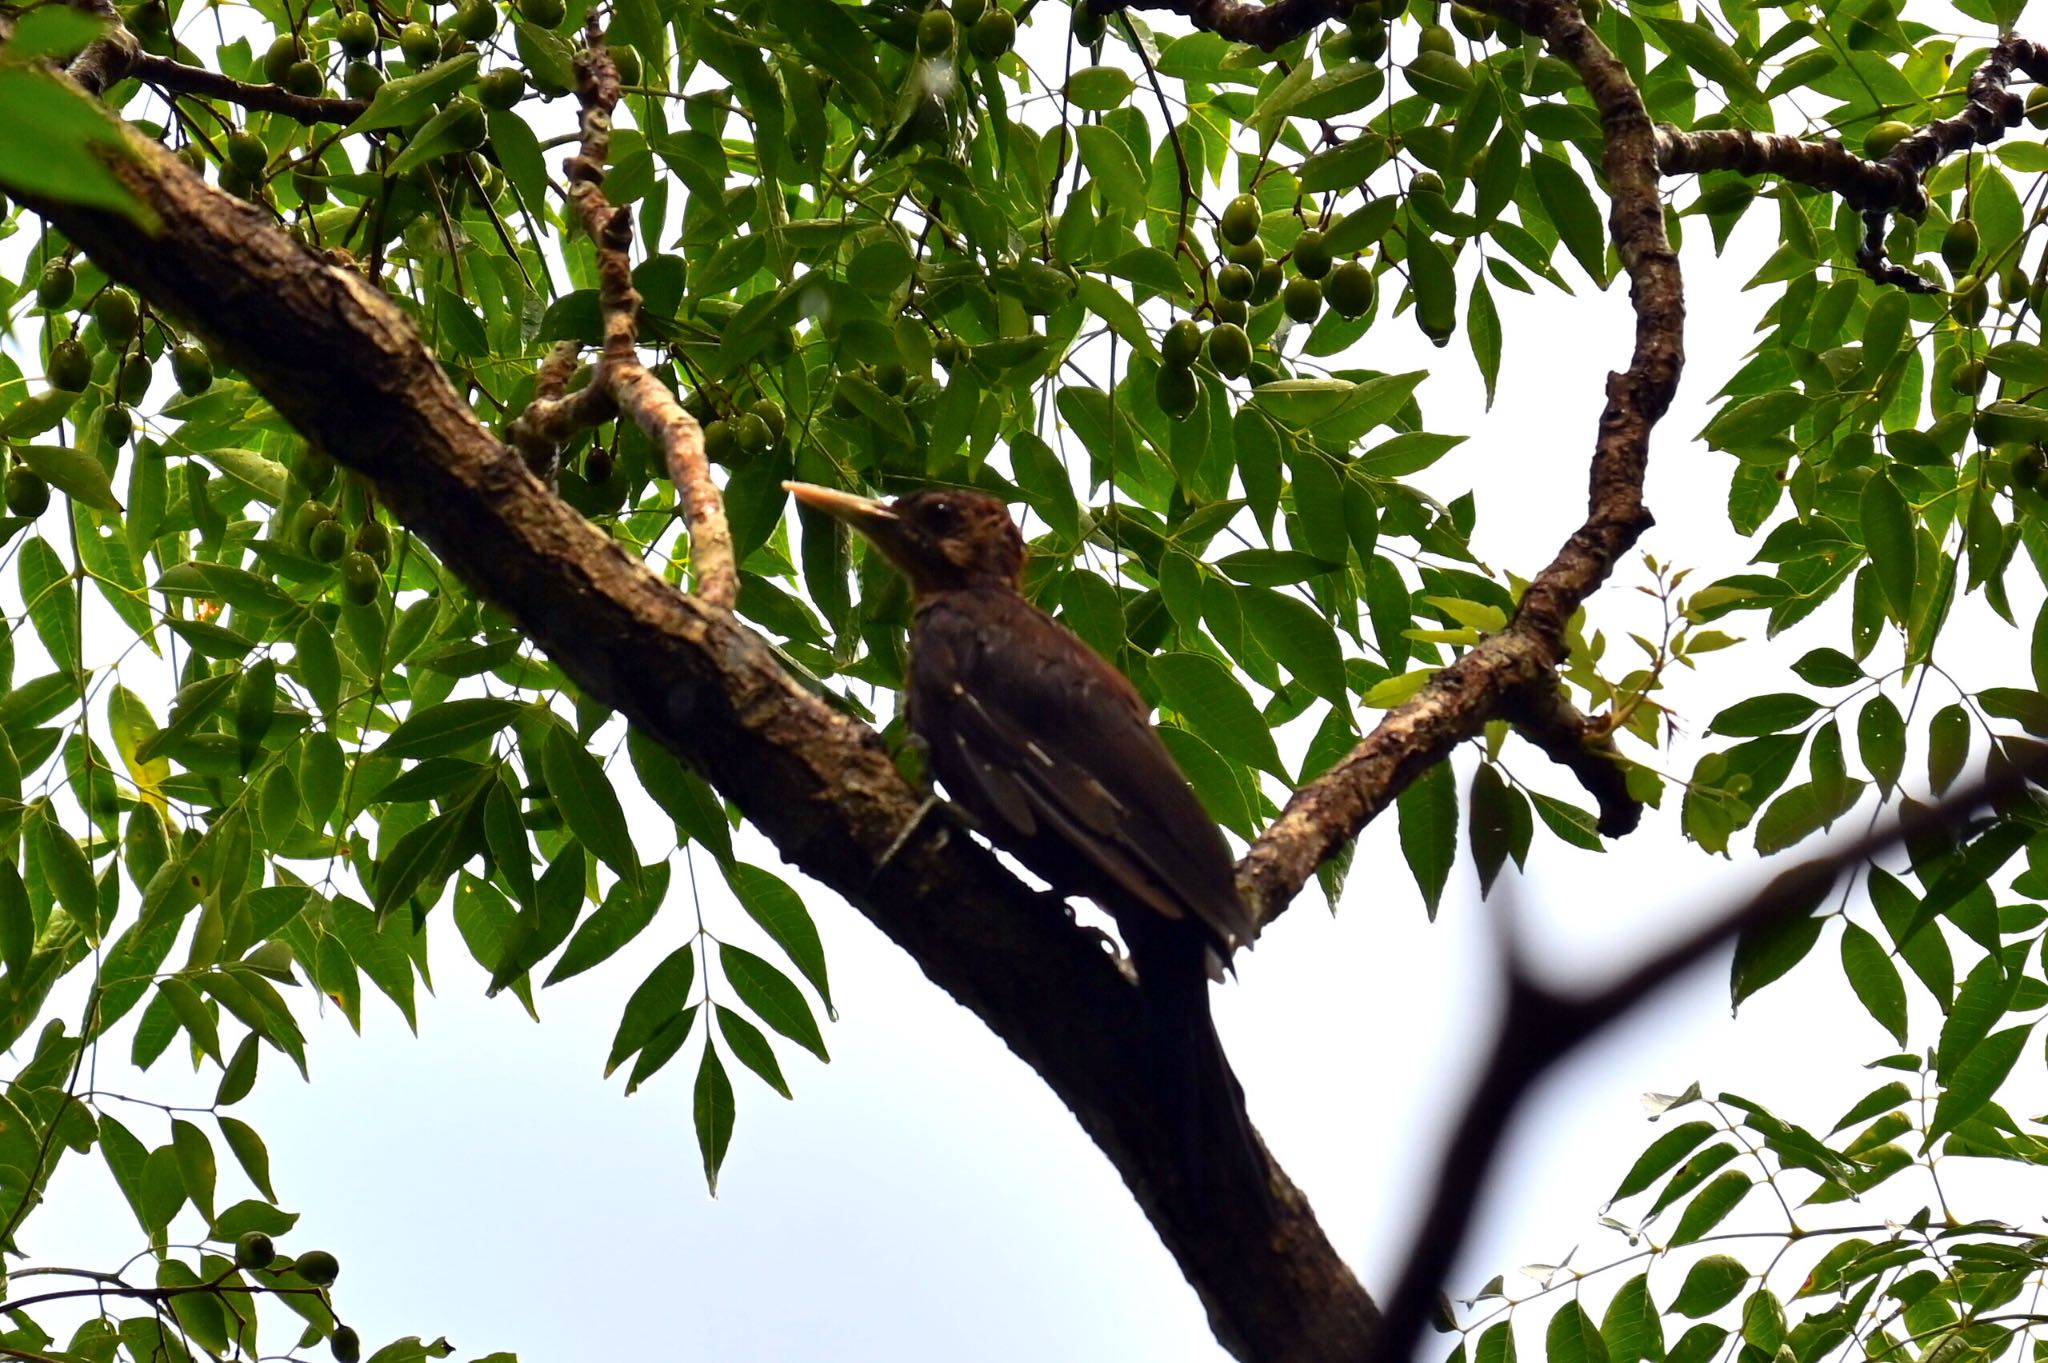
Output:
[[1369, 44], [1959, 245], [1177, 391], [253, 1250], [936, 31], [993, 34], [1234, 282], [1427, 182], [27, 494], [1349, 289], [1272, 276], [1251, 254], [1241, 219], [55, 287], [628, 62], [1968, 378], [359, 582], [246, 152], [752, 434], [284, 51], [1303, 300], [890, 378], [317, 1266], [544, 13], [375, 541], [1230, 350], [475, 20], [1437, 38], [2037, 106], [117, 315], [345, 1344], [949, 350], [1088, 25], [304, 78], [361, 81], [328, 542], [967, 13], [192, 369], [1970, 301], [70, 368], [1311, 254], [357, 35], [131, 380], [1472, 23], [1181, 344], [467, 126], [502, 88], [719, 442], [418, 45], [1364, 14], [308, 518], [1879, 141], [117, 424], [769, 412]]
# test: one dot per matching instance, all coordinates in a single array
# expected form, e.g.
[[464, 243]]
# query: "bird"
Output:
[[1051, 754]]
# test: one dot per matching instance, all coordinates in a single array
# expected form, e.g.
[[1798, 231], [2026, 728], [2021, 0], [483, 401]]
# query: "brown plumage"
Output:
[[1051, 752]]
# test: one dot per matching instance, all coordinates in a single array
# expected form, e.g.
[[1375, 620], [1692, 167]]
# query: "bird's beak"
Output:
[[872, 518]]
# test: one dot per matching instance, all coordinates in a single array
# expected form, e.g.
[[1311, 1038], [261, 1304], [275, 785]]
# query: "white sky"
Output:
[[926, 1197]]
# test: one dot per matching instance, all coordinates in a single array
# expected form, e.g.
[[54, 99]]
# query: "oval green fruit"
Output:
[[1180, 345], [890, 378], [307, 518], [1271, 277], [544, 13], [1879, 141], [1303, 300], [1088, 25], [361, 81], [117, 315], [132, 379], [284, 50], [1311, 254], [1427, 182], [419, 45], [56, 285], [317, 1266], [328, 542], [1230, 350], [1349, 289], [1474, 24], [1968, 378], [357, 35], [627, 60], [467, 125], [253, 1250], [1241, 219], [117, 424], [993, 34], [770, 414], [502, 88], [752, 434], [304, 78], [967, 13], [1369, 44], [936, 31], [192, 369], [27, 494], [1235, 283], [359, 582], [2037, 106], [949, 350], [1177, 391], [1251, 254], [1959, 246], [70, 367], [475, 20], [1437, 38], [1232, 310], [719, 442], [345, 1344], [1970, 301], [375, 541]]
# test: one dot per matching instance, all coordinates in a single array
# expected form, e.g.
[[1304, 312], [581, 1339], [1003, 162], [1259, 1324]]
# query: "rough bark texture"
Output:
[[348, 370]]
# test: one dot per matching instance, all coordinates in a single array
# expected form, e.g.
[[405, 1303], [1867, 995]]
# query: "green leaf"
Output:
[[1298, 638], [1710, 1284], [1881, 738], [1217, 707], [1428, 813], [249, 1152], [1631, 1328], [588, 803], [1100, 87], [1570, 205], [17, 921], [1763, 1321], [409, 98], [661, 997], [1116, 172], [780, 912], [1764, 953], [1975, 1080], [1664, 1152], [453, 726], [1875, 980], [1768, 714], [1948, 746], [74, 472], [752, 1049], [1571, 1337], [772, 997], [59, 142], [1711, 1204], [1889, 537], [70, 874], [712, 1107]]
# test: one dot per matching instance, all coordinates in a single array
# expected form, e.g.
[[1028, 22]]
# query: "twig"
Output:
[[622, 384], [1541, 1025]]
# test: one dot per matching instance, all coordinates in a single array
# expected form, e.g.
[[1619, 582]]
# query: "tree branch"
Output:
[[346, 367], [1542, 1024], [1502, 672]]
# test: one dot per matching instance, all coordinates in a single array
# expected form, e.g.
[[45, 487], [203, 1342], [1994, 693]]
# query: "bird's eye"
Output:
[[944, 515]]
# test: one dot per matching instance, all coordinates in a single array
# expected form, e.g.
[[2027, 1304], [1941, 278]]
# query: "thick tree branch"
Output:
[[1264, 26], [116, 54], [1515, 669], [345, 366], [622, 381], [1541, 1024]]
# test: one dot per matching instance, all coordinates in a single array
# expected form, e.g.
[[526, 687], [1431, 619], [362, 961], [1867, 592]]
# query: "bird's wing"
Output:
[[1040, 734]]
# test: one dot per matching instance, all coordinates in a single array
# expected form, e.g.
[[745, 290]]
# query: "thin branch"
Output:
[[1515, 670], [1542, 1024], [1244, 21]]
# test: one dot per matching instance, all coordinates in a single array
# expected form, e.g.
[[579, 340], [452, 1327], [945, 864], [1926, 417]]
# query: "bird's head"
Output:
[[941, 539]]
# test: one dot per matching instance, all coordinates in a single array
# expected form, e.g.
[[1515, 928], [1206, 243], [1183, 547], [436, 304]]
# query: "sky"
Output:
[[925, 1197]]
